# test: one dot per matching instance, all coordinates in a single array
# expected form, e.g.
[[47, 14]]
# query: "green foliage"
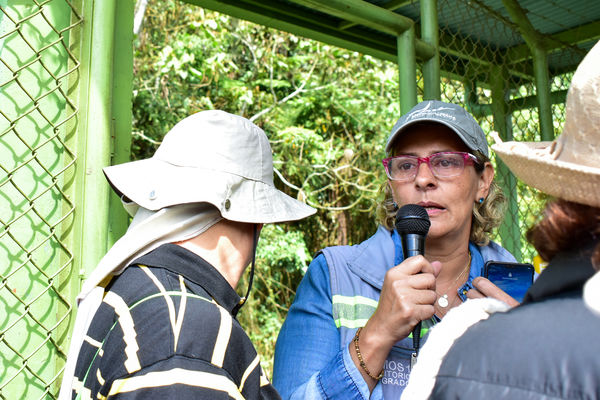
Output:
[[281, 261], [326, 111], [284, 252]]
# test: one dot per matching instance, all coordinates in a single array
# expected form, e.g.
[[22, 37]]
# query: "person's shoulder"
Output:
[[549, 346], [553, 321], [352, 250], [135, 284], [327, 255], [494, 251]]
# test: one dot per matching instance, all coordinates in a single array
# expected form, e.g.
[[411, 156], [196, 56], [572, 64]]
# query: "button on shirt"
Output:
[[166, 329]]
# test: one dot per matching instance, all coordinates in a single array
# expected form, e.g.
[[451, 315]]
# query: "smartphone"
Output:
[[513, 278]]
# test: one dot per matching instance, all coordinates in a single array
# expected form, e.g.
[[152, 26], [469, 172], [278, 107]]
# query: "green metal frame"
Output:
[[105, 118], [358, 14], [104, 85], [407, 66], [103, 91], [537, 44], [430, 34], [122, 88], [527, 62], [509, 229], [94, 144]]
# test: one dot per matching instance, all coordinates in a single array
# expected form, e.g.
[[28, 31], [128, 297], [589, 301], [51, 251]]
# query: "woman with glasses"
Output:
[[547, 347], [349, 332]]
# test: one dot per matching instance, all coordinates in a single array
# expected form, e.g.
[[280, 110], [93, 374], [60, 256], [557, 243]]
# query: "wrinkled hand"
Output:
[[482, 287], [407, 297]]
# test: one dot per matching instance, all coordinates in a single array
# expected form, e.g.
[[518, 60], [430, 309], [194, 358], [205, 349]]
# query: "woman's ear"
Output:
[[485, 180]]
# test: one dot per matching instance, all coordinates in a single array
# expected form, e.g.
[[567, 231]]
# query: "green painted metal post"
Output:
[[407, 67], [96, 129], [542, 84], [121, 109], [510, 232], [103, 132], [430, 34], [537, 43]]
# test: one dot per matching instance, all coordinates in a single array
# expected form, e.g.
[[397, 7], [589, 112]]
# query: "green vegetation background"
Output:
[[327, 113]]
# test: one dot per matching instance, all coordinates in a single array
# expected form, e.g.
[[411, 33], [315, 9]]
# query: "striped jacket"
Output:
[[166, 329]]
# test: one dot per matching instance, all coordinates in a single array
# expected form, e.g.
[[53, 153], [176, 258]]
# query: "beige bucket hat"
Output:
[[568, 167], [214, 157]]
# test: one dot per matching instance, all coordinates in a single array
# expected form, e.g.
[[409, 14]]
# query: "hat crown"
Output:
[[569, 167], [210, 157], [219, 141], [579, 142], [452, 115]]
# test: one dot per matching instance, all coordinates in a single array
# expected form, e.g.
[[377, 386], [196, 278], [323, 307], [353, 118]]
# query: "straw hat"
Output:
[[214, 157], [568, 167]]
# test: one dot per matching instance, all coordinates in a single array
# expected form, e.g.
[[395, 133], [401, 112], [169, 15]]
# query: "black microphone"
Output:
[[412, 224]]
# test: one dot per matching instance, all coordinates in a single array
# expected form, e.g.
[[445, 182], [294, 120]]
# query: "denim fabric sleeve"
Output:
[[309, 363]]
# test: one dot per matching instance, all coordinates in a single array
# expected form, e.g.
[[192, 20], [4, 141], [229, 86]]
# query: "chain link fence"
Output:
[[501, 96], [38, 78]]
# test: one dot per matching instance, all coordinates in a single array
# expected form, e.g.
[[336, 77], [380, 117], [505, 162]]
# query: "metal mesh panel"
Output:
[[38, 74], [39, 71], [501, 96]]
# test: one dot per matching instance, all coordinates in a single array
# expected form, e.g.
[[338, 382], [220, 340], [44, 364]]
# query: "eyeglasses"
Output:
[[443, 165]]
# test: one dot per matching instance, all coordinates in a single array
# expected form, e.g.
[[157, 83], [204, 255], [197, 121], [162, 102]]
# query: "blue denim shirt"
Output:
[[309, 363]]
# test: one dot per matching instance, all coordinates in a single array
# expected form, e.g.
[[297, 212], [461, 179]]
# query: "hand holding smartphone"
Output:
[[512, 278]]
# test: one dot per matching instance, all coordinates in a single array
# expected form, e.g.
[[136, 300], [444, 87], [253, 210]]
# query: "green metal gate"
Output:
[[65, 112], [37, 128], [62, 117]]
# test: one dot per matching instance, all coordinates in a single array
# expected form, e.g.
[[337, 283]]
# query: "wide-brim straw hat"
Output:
[[214, 157], [568, 167]]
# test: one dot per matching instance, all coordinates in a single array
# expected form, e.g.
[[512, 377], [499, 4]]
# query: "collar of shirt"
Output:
[[179, 260], [567, 272]]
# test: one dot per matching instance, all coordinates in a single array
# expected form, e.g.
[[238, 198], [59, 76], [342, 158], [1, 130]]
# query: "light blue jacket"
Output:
[[337, 295]]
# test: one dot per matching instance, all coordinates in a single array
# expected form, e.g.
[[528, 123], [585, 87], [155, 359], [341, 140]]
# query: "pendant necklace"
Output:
[[443, 300]]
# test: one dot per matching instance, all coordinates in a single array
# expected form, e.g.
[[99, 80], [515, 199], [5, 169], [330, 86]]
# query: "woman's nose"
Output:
[[424, 176]]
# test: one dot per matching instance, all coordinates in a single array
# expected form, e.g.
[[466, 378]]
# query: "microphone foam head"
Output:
[[412, 218]]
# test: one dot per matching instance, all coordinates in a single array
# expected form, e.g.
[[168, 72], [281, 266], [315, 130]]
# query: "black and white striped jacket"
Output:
[[166, 329]]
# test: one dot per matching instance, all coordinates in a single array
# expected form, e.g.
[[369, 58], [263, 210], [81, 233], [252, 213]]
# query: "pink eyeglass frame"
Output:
[[468, 159]]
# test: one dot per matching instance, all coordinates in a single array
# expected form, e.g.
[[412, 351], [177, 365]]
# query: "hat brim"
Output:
[[569, 181], [155, 184]]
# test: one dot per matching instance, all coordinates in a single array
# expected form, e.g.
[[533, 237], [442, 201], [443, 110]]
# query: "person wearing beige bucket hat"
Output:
[[156, 318], [548, 346]]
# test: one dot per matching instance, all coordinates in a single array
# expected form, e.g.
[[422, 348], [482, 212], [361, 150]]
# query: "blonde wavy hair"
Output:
[[485, 217]]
